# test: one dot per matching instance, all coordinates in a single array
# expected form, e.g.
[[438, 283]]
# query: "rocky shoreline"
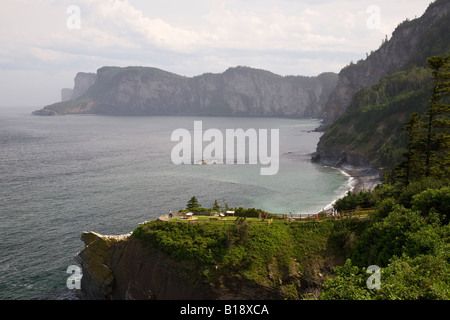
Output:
[[364, 178], [363, 175]]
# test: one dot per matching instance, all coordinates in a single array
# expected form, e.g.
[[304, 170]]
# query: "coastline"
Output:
[[361, 178]]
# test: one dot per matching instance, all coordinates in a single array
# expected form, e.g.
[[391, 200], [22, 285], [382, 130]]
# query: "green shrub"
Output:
[[423, 277], [433, 200], [349, 283]]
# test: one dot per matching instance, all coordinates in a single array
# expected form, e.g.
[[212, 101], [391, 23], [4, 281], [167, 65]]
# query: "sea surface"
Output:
[[60, 176]]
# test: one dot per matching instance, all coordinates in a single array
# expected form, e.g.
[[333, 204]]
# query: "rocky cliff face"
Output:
[[83, 82], [66, 94], [121, 268], [237, 91], [391, 57]]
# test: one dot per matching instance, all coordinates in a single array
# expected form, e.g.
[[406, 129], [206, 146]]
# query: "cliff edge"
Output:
[[120, 268], [210, 261]]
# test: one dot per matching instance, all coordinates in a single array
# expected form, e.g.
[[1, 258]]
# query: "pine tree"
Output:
[[428, 149], [412, 167], [192, 203], [216, 206], [437, 143]]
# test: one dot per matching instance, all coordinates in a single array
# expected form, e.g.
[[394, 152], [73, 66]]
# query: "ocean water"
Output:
[[60, 176]]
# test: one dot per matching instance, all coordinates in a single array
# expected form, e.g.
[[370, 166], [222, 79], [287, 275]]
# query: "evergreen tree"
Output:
[[192, 203], [437, 142], [216, 206], [428, 149], [412, 167]]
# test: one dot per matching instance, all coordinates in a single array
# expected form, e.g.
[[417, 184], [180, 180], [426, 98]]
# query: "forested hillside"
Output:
[[407, 237]]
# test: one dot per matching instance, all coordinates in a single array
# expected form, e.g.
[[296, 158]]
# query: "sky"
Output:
[[45, 43]]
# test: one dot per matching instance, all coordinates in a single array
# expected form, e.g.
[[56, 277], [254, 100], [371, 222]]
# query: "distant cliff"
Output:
[[238, 91], [82, 82], [392, 56]]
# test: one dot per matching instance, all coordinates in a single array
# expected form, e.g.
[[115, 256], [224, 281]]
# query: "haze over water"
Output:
[[60, 176]]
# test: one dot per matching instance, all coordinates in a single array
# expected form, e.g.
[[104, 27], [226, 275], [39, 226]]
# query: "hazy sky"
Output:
[[44, 43]]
